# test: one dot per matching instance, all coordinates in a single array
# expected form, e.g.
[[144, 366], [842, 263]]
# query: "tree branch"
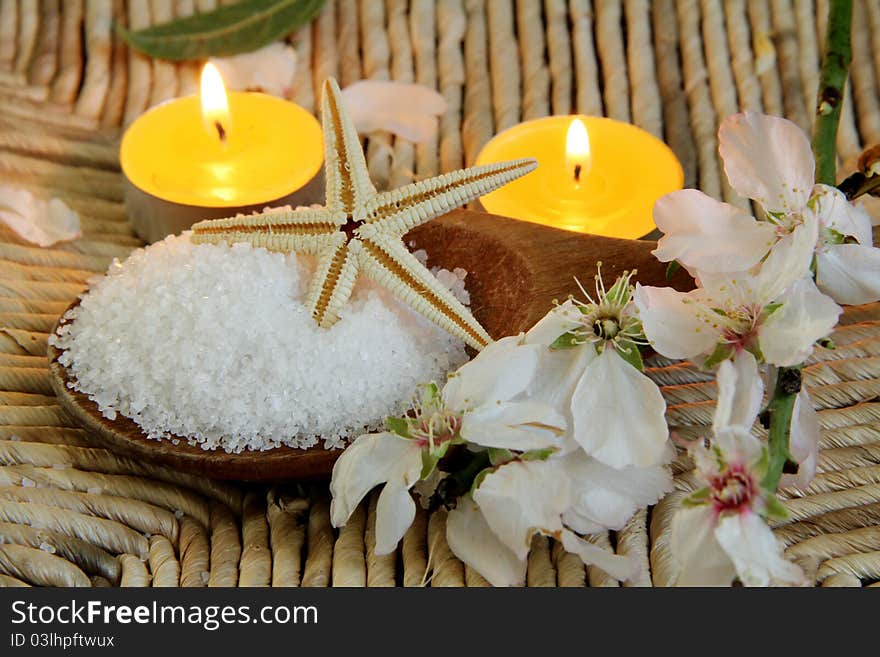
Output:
[[832, 79], [835, 67]]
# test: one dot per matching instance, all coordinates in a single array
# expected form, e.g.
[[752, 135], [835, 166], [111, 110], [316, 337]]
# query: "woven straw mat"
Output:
[[72, 514]]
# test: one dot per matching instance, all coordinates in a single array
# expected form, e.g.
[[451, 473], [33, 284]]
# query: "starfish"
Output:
[[360, 231]]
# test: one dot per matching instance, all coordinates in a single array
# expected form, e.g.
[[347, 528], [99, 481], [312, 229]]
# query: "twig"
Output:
[[781, 409], [835, 64]]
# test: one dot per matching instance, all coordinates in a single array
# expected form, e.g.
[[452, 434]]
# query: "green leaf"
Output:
[[834, 236], [440, 450], [398, 425], [566, 341], [482, 474], [629, 351], [431, 457], [779, 217], [429, 393], [538, 454], [498, 456], [722, 352], [429, 462], [774, 508], [229, 30], [697, 498], [763, 463], [771, 308], [619, 293], [672, 268]]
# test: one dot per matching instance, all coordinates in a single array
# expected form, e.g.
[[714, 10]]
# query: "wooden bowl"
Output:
[[515, 270]]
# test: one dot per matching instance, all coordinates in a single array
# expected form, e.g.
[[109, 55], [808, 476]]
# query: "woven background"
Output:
[[75, 515]]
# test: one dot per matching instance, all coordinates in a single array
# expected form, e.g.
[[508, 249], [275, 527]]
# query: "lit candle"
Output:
[[218, 154], [215, 103], [594, 175], [577, 150]]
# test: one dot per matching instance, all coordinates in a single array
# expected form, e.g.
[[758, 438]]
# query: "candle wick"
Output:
[[577, 173], [221, 131]]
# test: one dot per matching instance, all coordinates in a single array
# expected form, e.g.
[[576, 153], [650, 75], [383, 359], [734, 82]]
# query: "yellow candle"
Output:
[[594, 175], [217, 154]]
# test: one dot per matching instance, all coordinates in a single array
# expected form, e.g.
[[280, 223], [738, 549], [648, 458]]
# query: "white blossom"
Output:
[[477, 406], [768, 159], [591, 372], [720, 533], [776, 313]]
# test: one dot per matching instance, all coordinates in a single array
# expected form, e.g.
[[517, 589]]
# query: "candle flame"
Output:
[[577, 150], [215, 104]]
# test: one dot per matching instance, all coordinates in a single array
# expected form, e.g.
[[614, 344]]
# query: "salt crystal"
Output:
[[212, 344], [61, 466], [45, 547], [28, 483], [179, 514], [94, 490]]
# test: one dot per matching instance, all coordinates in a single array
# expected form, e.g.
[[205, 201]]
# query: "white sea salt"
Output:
[[454, 280], [213, 344], [46, 547], [28, 483]]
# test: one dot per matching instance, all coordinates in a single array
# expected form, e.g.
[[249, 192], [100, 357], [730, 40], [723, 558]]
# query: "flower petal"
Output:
[[756, 554], [767, 159], [789, 261], [269, 69], [706, 235], [523, 498], [620, 567], [786, 337], [605, 498], [520, 426], [371, 460], [674, 322], [395, 511], [700, 558], [804, 442], [501, 371], [378, 105], [560, 320], [836, 212], [740, 392], [558, 374], [36, 220], [849, 273], [471, 539], [619, 414]]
